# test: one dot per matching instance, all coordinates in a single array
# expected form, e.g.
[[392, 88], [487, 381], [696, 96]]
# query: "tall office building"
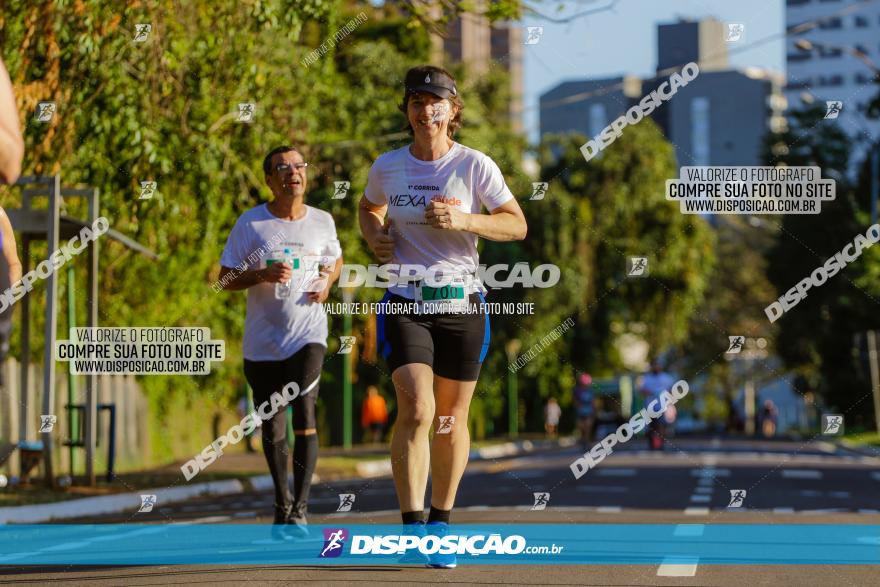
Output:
[[822, 66], [719, 118], [481, 46]]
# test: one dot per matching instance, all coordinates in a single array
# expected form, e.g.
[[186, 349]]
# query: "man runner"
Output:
[[422, 206], [285, 337]]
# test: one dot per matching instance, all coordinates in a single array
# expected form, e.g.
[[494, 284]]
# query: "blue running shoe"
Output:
[[413, 556], [437, 560]]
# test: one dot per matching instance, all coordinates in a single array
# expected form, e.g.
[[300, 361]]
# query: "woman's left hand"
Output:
[[446, 217]]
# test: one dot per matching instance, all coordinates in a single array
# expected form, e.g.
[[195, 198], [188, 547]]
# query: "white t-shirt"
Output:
[[275, 329], [463, 177]]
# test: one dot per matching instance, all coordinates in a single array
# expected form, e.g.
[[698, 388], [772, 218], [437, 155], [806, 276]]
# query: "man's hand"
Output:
[[446, 217], [276, 273], [383, 245], [319, 289]]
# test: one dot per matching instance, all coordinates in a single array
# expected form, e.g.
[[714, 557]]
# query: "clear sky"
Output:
[[623, 40]]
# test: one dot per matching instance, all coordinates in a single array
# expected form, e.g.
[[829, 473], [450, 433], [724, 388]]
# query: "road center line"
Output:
[[801, 474]]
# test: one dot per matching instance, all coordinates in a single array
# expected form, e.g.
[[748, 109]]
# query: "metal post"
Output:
[[91, 412], [875, 375], [512, 404], [346, 374], [51, 324], [72, 415], [24, 394], [875, 183], [512, 348]]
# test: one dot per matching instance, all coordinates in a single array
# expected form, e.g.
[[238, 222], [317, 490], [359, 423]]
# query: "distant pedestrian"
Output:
[[585, 408], [374, 414], [769, 417], [552, 412]]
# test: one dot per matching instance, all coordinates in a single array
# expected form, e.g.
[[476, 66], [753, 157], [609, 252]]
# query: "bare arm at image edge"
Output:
[[10, 252], [11, 143]]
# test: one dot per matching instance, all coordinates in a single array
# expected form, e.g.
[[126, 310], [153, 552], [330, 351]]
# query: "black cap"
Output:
[[429, 79]]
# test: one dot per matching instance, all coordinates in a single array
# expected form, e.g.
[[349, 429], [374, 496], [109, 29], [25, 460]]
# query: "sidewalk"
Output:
[[247, 472]]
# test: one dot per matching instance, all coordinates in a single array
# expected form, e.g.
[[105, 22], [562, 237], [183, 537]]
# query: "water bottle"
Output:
[[282, 289]]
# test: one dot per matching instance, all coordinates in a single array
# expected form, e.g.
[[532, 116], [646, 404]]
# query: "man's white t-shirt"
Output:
[[275, 329], [463, 177]]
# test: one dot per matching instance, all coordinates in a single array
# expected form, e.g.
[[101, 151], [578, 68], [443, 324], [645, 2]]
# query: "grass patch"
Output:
[[864, 438]]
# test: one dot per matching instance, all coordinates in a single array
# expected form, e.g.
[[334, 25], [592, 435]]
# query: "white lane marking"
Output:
[[710, 473], [825, 511], [706, 481], [783, 510], [609, 509], [701, 498], [875, 475], [689, 530], [704, 490], [716, 442], [696, 511], [801, 474], [840, 494], [810, 493], [478, 508], [677, 567], [616, 472], [207, 520], [869, 511], [244, 515]]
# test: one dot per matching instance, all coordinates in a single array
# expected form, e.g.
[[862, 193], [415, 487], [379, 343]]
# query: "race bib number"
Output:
[[450, 298]]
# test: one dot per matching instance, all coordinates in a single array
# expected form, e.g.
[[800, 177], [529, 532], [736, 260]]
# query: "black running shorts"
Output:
[[454, 345], [303, 367]]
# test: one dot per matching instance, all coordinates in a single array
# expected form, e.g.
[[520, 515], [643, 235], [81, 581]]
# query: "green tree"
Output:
[[816, 337]]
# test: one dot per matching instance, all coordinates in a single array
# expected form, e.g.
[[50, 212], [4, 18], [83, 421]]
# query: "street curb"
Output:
[[122, 502], [112, 504], [372, 469]]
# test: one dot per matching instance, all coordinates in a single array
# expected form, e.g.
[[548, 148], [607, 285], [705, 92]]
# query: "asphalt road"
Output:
[[690, 483]]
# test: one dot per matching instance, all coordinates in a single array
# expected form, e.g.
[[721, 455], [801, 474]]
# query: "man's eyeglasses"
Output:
[[285, 167]]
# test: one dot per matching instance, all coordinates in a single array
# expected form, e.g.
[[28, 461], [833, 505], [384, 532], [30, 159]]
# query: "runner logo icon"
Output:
[[47, 422], [246, 111], [446, 423], [735, 32], [148, 188], [334, 541], [736, 344], [539, 188], [737, 496], [346, 500], [533, 35], [44, 112], [832, 423], [341, 188], [147, 503], [833, 108], [346, 344], [142, 32], [541, 501], [637, 266]]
